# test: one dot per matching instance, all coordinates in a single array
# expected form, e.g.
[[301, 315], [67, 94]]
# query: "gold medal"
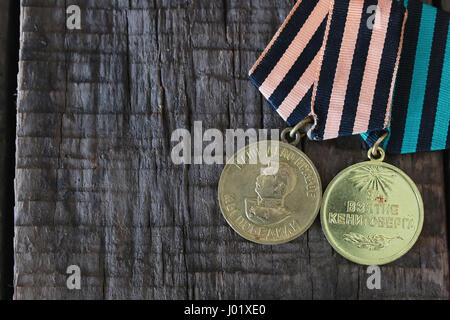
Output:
[[272, 202], [372, 212]]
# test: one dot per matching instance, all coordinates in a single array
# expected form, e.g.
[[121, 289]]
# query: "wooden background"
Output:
[[95, 185], [4, 13], [9, 43]]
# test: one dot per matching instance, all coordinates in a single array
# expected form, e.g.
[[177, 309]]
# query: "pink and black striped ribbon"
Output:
[[329, 61]]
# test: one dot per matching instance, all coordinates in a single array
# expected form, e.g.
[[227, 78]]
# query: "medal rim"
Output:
[[314, 216], [380, 261]]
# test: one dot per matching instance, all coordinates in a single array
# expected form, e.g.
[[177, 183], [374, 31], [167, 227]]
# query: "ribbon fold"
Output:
[[338, 60]]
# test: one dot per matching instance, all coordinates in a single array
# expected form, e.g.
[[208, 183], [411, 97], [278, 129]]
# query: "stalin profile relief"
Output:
[[271, 188]]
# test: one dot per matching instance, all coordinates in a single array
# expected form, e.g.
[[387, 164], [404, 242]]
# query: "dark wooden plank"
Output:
[[95, 185], [4, 14], [445, 4], [6, 141]]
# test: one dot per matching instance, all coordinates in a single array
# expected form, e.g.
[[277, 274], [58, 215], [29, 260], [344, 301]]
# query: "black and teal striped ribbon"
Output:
[[421, 107]]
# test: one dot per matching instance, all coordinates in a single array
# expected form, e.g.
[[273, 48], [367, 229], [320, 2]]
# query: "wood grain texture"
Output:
[[4, 147], [445, 4], [95, 185]]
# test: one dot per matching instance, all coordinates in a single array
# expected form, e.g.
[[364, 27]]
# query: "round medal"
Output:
[[372, 213], [272, 201]]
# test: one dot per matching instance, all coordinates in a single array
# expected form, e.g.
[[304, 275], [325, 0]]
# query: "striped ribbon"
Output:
[[421, 108], [325, 61]]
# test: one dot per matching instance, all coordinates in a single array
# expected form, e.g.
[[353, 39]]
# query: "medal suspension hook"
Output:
[[377, 153], [293, 135]]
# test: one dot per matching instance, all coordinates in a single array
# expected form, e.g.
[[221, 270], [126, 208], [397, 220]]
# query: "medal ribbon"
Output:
[[327, 62], [421, 108]]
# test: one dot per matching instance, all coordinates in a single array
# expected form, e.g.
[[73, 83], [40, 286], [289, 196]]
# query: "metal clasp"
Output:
[[297, 132], [377, 153]]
